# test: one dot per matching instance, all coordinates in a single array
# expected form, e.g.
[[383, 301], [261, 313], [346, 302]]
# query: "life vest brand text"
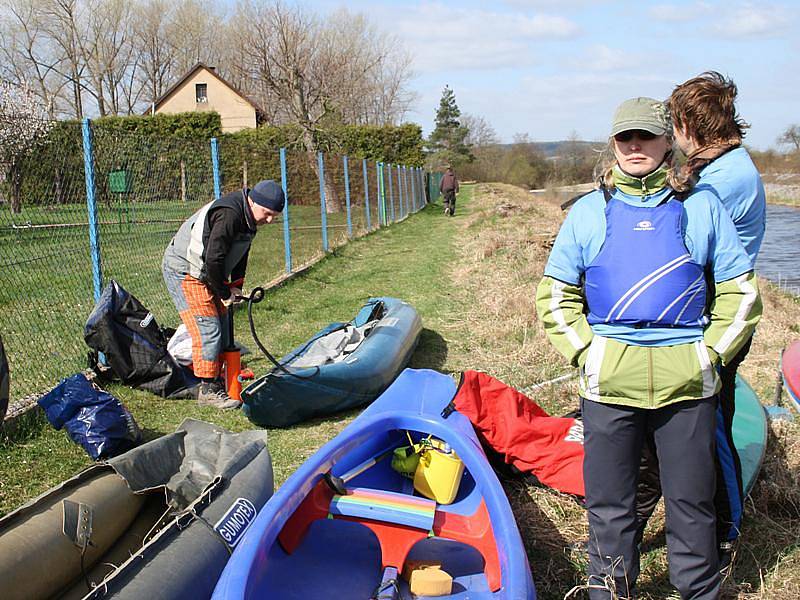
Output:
[[644, 226], [235, 521]]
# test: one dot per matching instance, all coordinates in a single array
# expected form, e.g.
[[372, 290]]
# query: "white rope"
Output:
[[542, 384]]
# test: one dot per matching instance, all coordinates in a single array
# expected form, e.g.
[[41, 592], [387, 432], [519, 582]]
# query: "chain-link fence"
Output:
[[95, 205]]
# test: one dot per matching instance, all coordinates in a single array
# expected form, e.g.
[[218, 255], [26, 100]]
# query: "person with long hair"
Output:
[[709, 130], [647, 287]]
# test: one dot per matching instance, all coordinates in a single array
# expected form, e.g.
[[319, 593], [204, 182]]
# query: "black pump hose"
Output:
[[256, 296]]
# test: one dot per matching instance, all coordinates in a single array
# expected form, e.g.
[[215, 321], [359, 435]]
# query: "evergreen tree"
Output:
[[448, 142]]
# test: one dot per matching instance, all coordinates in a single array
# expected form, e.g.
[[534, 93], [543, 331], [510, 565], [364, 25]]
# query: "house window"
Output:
[[201, 92]]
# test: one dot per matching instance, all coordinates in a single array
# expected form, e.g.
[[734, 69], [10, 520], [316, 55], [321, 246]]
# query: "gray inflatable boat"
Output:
[[158, 522]]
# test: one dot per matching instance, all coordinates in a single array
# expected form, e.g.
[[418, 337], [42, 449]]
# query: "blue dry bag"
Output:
[[94, 419]]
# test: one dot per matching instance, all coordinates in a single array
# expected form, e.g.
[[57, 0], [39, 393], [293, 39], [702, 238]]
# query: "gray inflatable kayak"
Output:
[[159, 521]]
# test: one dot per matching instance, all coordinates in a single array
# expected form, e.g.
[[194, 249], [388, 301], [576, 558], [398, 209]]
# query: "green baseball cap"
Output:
[[641, 113]]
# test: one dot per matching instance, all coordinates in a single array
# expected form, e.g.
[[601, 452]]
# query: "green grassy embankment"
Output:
[[47, 277], [409, 260]]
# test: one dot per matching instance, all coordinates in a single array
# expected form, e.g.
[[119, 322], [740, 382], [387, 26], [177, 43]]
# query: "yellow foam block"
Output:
[[431, 582], [412, 565]]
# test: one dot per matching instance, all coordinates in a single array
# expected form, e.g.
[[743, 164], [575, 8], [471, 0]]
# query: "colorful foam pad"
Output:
[[385, 506]]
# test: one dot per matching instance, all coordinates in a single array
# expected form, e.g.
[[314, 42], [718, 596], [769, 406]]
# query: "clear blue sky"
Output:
[[540, 67]]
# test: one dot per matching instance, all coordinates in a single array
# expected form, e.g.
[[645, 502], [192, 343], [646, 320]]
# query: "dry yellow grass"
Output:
[[504, 245]]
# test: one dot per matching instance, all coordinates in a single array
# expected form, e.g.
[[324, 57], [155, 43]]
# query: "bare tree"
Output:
[[791, 137], [61, 21], [113, 56], [480, 131], [193, 32], [156, 53], [485, 146], [117, 57], [284, 48], [341, 70], [109, 56], [28, 59], [369, 70], [390, 97]]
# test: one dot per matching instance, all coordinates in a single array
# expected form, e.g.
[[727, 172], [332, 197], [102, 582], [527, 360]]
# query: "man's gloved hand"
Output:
[[234, 298]]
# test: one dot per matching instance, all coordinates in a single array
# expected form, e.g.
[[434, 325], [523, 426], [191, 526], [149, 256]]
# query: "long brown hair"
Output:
[[704, 108]]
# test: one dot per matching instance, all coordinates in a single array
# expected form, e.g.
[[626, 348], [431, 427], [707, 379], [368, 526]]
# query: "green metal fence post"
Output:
[[391, 191], [414, 190], [379, 191], [381, 203]]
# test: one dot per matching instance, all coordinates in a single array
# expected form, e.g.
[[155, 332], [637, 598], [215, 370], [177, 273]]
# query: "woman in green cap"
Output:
[[646, 288]]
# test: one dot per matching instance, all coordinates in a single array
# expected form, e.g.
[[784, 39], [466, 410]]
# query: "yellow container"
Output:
[[439, 472]]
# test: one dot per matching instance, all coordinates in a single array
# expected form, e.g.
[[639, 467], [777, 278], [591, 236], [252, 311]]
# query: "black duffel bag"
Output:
[[134, 346]]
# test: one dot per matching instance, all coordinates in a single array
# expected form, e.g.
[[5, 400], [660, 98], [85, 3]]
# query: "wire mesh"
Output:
[[358, 213], [242, 165], [388, 191], [434, 179], [45, 268], [305, 218], [145, 187], [372, 198], [337, 210]]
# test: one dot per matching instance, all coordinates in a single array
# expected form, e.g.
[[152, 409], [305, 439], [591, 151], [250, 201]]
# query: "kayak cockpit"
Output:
[[320, 551], [342, 559]]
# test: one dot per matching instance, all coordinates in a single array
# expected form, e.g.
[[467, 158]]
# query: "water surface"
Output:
[[779, 259]]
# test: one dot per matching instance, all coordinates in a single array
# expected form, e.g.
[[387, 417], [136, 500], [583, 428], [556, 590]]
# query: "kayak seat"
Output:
[[397, 528]]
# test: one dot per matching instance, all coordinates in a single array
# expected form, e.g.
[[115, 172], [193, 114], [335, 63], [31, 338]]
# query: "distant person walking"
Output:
[[646, 288], [709, 131], [448, 186], [204, 267]]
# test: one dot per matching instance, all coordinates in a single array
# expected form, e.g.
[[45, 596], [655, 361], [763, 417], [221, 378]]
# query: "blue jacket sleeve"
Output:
[[566, 258], [727, 255]]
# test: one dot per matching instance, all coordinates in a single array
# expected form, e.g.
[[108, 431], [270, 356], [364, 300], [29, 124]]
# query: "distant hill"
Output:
[[554, 149]]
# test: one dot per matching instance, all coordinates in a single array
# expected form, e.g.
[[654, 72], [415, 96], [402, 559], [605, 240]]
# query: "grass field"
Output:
[[47, 282], [472, 278]]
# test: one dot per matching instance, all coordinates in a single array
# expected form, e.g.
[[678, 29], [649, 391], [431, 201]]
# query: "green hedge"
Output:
[[154, 150], [401, 144], [257, 149], [191, 125], [389, 144]]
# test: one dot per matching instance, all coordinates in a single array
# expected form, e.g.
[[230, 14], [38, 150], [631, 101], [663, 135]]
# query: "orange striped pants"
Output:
[[205, 317]]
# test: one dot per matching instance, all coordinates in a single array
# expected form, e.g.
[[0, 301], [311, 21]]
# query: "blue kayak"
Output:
[[343, 366], [302, 547]]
